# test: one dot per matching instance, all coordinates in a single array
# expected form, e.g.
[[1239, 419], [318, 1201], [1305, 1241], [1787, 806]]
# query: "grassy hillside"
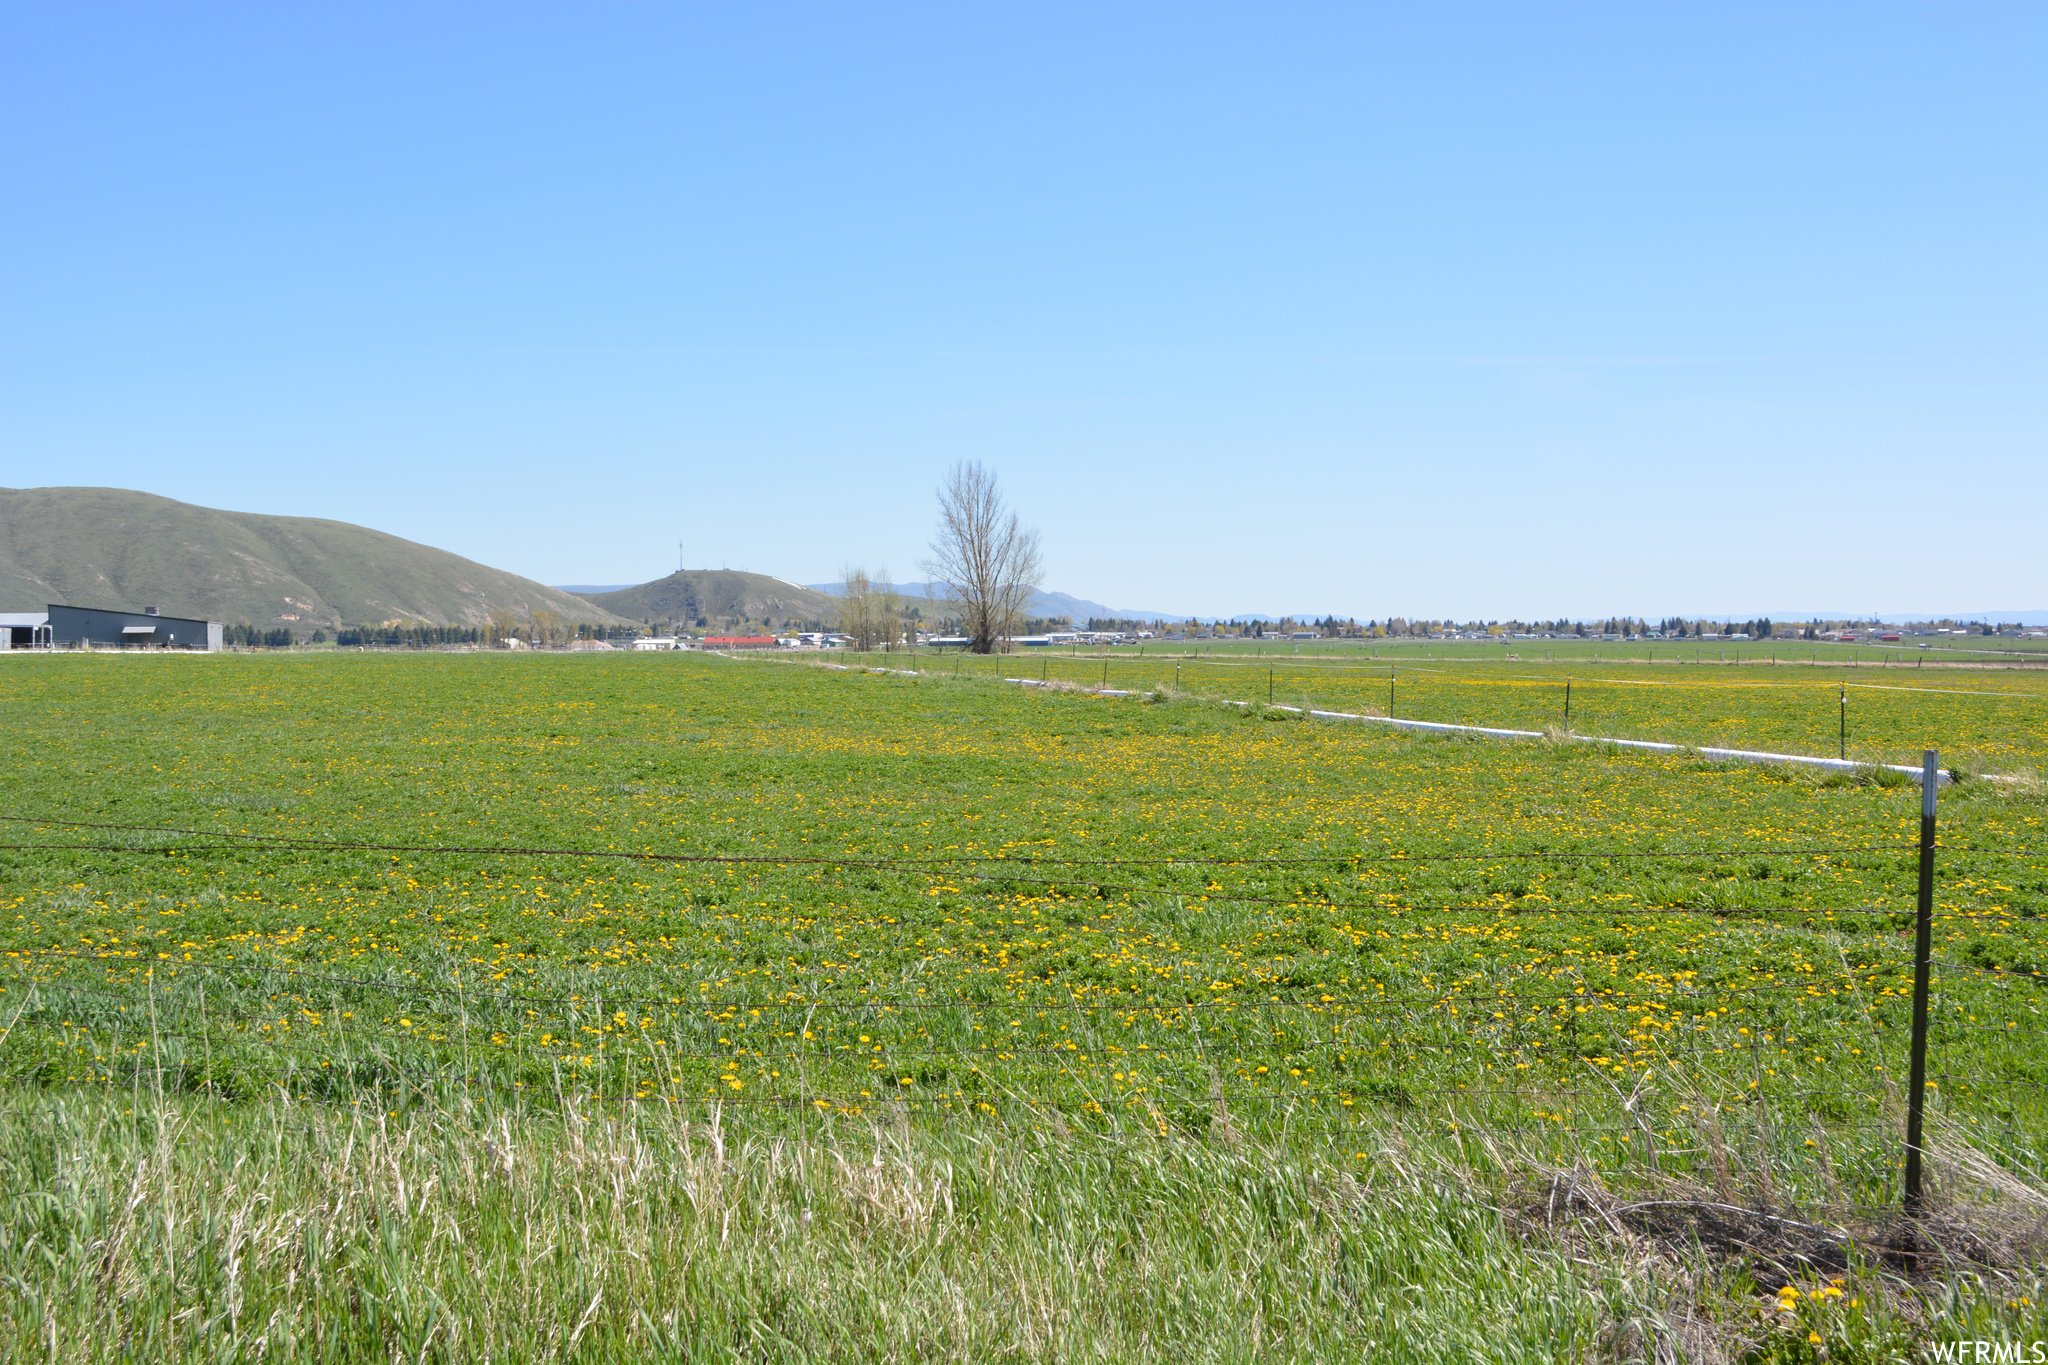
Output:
[[111, 547], [719, 597]]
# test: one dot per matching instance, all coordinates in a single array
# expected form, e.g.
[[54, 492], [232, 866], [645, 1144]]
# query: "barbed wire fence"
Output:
[[1652, 1077], [1429, 693]]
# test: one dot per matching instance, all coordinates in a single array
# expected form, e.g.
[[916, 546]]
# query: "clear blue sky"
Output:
[[1418, 309]]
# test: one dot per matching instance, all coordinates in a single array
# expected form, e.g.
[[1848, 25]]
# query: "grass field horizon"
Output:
[[1170, 1030], [1987, 715], [1908, 654]]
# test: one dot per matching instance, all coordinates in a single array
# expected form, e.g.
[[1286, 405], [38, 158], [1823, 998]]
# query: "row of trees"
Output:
[[539, 629], [1762, 628], [394, 634], [1981, 627], [1401, 626], [407, 635], [983, 560], [871, 615], [245, 636]]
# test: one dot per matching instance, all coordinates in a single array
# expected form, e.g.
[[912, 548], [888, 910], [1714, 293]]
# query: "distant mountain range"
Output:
[[112, 547], [713, 595], [1047, 604], [2025, 618]]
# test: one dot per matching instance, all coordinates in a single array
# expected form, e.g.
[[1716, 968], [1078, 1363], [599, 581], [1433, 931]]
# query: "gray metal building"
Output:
[[76, 627], [24, 629]]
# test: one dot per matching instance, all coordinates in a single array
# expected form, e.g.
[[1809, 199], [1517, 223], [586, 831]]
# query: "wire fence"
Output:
[[1885, 723], [1485, 1046]]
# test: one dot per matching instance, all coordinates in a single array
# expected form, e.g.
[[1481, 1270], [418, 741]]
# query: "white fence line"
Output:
[[1840, 765]]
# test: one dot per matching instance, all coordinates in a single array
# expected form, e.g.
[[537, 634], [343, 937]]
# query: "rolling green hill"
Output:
[[111, 547], [719, 597]]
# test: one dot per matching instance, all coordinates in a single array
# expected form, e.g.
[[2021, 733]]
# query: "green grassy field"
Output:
[[1993, 719], [612, 1006]]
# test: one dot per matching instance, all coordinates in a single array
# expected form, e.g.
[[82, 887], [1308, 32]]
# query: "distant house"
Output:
[[739, 642], [660, 642], [93, 628]]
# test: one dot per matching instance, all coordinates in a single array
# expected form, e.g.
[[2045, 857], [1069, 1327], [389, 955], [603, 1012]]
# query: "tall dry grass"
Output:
[[280, 1230]]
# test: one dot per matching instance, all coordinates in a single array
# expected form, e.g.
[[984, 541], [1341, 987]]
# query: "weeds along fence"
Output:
[[1717, 1031], [1992, 723]]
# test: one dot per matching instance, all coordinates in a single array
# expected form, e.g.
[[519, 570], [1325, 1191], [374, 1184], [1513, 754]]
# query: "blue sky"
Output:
[[1515, 310]]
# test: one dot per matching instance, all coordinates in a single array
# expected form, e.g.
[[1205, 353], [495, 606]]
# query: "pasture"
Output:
[[1988, 717], [835, 1013]]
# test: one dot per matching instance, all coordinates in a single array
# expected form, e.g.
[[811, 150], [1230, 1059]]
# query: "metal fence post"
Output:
[[1567, 703], [1923, 965], [1843, 750]]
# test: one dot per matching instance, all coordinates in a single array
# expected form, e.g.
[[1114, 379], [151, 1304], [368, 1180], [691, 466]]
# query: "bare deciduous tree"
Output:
[[868, 608], [853, 604], [987, 563], [888, 610]]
